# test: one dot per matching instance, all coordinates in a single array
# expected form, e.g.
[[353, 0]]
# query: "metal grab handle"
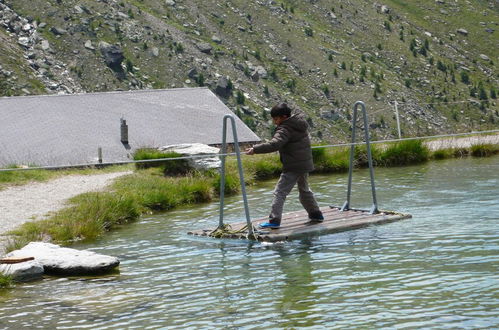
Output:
[[346, 205], [241, 174]]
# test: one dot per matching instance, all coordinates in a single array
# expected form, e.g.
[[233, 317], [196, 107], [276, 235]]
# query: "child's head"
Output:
[[280, 110]]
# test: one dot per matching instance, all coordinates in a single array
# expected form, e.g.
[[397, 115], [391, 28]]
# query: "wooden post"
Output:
[[99, 153]]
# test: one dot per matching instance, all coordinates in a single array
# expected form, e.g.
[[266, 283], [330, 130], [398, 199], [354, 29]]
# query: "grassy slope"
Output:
[[12, 62], [278, 31]]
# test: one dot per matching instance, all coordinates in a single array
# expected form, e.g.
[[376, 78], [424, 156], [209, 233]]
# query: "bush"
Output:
[[231, 186], [483, 150], [326, 161], [404, 153], [360, 155], [5, 281], [442, 154], [261, 167], [170, 167]]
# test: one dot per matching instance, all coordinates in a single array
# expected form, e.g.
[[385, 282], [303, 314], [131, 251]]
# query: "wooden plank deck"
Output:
[[295, 225]]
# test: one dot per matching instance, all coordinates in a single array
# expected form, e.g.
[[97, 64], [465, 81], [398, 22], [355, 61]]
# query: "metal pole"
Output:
[[222, 174], [346, 205], [398, 120], [374, 208], [241, 174]]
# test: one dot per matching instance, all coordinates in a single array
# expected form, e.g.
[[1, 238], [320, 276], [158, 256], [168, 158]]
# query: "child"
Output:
[[292, 141]]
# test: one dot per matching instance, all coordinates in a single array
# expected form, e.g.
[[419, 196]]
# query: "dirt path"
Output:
[[20, 204]]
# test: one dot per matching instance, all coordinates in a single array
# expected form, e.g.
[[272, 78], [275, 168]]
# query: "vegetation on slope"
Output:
[[319, 56]]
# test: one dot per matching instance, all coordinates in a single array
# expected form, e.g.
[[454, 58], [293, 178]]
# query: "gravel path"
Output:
[[20, 204], [462, 142]]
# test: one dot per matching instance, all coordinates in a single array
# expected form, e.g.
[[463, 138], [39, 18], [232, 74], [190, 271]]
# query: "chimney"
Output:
[[124, 131]]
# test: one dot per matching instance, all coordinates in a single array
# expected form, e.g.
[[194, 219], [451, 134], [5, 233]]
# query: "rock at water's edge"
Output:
[[190, 149], [66, 261], [23, 271]]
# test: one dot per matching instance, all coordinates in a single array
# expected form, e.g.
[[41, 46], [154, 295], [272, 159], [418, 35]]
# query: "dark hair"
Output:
[[280, 110]]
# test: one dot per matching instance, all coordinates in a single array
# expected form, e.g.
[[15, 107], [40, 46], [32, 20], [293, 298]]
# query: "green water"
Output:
[[437, 270]]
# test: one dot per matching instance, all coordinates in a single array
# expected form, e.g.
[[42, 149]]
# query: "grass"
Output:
[[90, 215], [14, 178], [484, 150], [404, 153], [5, 281]]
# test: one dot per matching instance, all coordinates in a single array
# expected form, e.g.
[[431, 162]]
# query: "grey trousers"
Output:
[[284, 186]]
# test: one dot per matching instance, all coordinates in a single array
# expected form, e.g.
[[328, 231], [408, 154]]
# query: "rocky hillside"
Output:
[[436, 58]]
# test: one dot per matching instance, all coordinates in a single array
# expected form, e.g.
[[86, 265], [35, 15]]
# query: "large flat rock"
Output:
[[66, 261], [23, 271]]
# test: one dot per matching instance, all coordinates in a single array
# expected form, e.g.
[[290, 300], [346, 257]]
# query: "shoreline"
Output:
[[36, 201]]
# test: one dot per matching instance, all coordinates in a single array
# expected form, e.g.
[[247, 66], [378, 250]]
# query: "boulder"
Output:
[[113, 55], [88, 45], [223, 89], [45, 45], [193, 73], [261, 72], [66, 261], [484, 57], [192, 149], [58, 31], [23, 271], [204, 47], [23, 41], [216, 39], [462, 31]]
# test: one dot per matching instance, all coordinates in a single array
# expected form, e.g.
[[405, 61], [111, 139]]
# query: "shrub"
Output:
[[483, 150], [360, 155], [326, 161], [443, 154], [170, 167], [240, 98], [5, 281], [261, 167], [404, 153], [232, 184], [465, 78]]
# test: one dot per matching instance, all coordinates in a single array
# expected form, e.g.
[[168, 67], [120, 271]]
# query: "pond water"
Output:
[[436, 270]]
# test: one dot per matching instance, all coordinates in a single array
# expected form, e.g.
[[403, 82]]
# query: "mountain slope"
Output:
[[437, 59]]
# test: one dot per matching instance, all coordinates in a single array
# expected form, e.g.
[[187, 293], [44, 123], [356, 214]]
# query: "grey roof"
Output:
[[68, 129]]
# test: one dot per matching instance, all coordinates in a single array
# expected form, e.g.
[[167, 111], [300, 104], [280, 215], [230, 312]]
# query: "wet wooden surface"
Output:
[[295, 225]]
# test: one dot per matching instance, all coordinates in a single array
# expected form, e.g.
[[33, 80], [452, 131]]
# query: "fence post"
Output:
[[99, 153], [398, 120]]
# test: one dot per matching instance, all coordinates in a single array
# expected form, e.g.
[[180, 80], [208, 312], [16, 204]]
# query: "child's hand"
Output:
[[250, 151]]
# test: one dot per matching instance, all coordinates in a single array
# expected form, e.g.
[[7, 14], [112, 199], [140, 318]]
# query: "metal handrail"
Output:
[[346, 205], [241, 174]]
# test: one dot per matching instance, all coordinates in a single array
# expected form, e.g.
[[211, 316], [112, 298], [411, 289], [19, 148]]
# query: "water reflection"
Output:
[[298, 298], [439, 269]]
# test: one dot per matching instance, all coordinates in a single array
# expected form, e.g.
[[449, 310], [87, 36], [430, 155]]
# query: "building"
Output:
[[70, 129]]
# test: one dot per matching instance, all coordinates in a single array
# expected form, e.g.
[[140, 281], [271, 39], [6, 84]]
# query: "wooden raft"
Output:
[[295, 225]]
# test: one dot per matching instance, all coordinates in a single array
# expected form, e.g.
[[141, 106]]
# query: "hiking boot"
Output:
[[316, 216]]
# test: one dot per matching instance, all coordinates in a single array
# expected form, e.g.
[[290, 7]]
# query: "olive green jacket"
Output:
[[292, 140]]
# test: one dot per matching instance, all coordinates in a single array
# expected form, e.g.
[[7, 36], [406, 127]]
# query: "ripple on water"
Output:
[[437, 270]]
